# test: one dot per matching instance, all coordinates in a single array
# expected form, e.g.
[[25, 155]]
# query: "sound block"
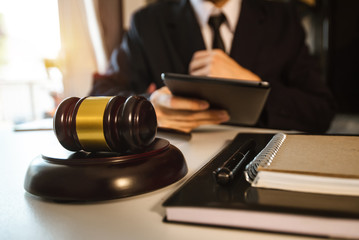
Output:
[[83, 176]]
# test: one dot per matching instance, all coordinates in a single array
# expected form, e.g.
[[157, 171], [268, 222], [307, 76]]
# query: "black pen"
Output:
[[226, 173]]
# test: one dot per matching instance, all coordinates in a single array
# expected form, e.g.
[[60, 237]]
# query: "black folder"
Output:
[[202, 201]]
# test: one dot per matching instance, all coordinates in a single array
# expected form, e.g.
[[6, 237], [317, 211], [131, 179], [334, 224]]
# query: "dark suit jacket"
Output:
[[269, 41]]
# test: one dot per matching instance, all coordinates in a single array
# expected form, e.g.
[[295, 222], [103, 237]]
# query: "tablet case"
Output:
[[244, 100]]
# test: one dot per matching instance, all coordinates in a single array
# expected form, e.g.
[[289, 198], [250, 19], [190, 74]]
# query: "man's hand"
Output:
[[216, 63], [184, 114]]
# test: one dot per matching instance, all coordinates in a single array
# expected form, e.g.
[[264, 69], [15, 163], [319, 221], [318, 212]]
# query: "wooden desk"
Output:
[[23, 216]]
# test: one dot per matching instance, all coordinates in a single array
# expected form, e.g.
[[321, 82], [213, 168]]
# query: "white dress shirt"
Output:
[[204, 9]]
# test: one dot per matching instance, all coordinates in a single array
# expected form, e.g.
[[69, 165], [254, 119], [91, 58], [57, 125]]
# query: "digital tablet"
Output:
[[243, 99]]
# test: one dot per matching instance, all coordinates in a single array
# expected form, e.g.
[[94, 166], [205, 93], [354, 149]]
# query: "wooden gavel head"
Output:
[[111, 124]]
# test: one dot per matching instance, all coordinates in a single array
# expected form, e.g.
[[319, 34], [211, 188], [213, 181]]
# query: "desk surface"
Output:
[[23, 216]]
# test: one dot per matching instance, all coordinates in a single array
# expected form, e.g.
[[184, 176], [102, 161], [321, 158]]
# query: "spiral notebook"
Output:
[[308, 163]]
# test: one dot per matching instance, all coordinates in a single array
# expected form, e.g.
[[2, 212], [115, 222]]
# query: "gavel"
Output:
[[105, 124]]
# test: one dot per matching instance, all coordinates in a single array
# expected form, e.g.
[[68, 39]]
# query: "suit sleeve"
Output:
[[300, 98], [128, 70]]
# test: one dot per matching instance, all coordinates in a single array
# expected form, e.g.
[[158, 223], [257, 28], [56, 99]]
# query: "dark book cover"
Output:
[[202, 201]]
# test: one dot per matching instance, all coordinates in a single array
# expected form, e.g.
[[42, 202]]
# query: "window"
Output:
[[29, 47]]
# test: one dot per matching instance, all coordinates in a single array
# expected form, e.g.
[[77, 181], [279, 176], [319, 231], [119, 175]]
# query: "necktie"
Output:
[[215, 22]]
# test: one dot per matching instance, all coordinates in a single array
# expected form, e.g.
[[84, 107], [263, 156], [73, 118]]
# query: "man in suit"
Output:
[[263, 40]]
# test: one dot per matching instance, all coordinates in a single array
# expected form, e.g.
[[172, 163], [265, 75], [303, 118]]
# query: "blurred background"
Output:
[[49, 50]]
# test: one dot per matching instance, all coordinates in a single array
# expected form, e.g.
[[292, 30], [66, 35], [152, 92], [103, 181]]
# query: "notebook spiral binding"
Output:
[[264, 157]]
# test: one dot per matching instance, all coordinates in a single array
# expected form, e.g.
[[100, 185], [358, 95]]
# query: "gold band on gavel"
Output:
[[89, 124]]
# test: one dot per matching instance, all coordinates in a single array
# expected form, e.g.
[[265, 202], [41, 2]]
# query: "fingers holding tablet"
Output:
[[184, 113]]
